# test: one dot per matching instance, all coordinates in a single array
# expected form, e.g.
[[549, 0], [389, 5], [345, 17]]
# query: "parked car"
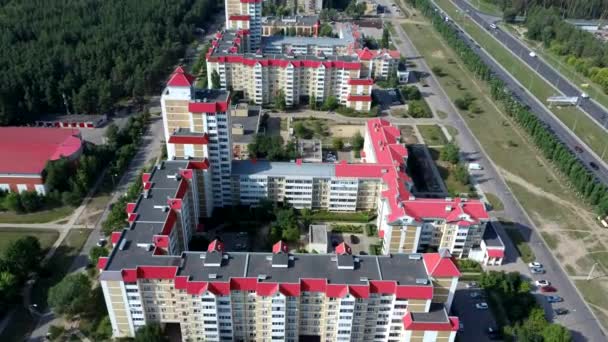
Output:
[[594, 166], [535, 264], [547, 289], [554, 299], [482, 306], [578, 149], [542, 283], [537, 270], [472, 285], [475, 166], [532, 54], [493, 26], [493, 333], [561, 311], [475, 294], [101, 242]]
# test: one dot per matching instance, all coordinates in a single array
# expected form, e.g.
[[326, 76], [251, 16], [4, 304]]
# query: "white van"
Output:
[[475, 166]]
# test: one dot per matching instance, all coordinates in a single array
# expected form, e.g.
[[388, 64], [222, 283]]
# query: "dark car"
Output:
[[594, 166], [578, 149], [548, 288], [561, 311]]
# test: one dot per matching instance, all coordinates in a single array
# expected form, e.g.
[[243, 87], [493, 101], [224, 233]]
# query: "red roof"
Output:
[[179, 78], [189, 139], [365, 98], [359, 170], [440, 266], [360, 81], [115, 237], [336, 290], [102, 262], [280, 247], [409, 324], [215, 246], [208, 107], [266, 289], [495, 253], [343, 248], [26, 150], [238, 17]]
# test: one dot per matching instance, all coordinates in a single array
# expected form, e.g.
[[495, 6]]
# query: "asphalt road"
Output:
[[592, 108], [580, 321]]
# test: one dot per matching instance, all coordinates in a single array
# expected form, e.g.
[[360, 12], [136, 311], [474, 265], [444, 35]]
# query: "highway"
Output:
[[592, 108], [580, 321]]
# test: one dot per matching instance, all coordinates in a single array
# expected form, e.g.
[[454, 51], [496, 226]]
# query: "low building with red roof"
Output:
[[25, 152]]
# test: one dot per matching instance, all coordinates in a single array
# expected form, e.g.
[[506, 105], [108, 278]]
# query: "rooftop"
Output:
[[267, 168], [491, 238], [210, 95], [298, 20], [71, 117], [318, 234], [250, 125], [26, 150]]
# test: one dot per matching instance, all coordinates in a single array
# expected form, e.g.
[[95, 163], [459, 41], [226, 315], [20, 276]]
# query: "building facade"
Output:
[[237, 296], [298, 25], [197, 126]]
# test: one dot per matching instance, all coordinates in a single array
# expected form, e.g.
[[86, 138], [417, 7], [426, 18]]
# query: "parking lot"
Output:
[[474, 322], [359, 243]]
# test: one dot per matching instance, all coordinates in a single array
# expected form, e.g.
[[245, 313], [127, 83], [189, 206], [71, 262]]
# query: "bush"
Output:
[[359, 216], [419, 109], [371, 230], [438, 71], [462, 174], [466, 265], [450, 153], [347, 228]]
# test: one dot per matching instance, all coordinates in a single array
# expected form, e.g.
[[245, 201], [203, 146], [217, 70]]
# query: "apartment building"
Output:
[[197, 126], [245, 15], [219, 295], [303, 185], [408, 224], [299, 25], [309, 6]]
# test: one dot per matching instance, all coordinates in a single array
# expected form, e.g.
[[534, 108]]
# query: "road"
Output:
[[592, 108], [148, 150], [580, 321]]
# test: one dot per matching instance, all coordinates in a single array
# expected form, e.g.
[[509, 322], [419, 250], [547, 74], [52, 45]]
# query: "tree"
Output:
[[291, 234], [330, 103], [112, 134], [326, 30], [556, 333], [279, 101], [450, 153], [312, 102], [215, 80], [12, 202], [384, 42], [96, 253], [23, 256], [357, 141], [71, 295], [31, 201], [9, 288], [338, 143], [150, 333], [301, 131], [461, 174]]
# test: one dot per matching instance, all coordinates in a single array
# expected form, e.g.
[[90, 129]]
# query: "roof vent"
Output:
[[448, 198], [292, 258], [164, 208], [333, 258], [415, 256], [356, 259], [212, 276], [146, 193], [172, 176], [269, 257], [122, 245], [363, 279], [203, 255], [463, 199], [412, 197], [422, 281], [262, 277], [225, 256], [146, 246], [448, 208]]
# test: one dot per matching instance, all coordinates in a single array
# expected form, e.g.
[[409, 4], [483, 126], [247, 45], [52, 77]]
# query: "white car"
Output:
[[532, 54], [482, 306], [535, 264], [585, 95], [492, 26], [542, 283]]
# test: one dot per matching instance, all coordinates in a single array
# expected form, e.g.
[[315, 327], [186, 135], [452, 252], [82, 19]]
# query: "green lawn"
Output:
[[46, 236], [486, 6], [592, 134], [59, 265], [494, 202], [38, 217], [432, 135], [521, 245]]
